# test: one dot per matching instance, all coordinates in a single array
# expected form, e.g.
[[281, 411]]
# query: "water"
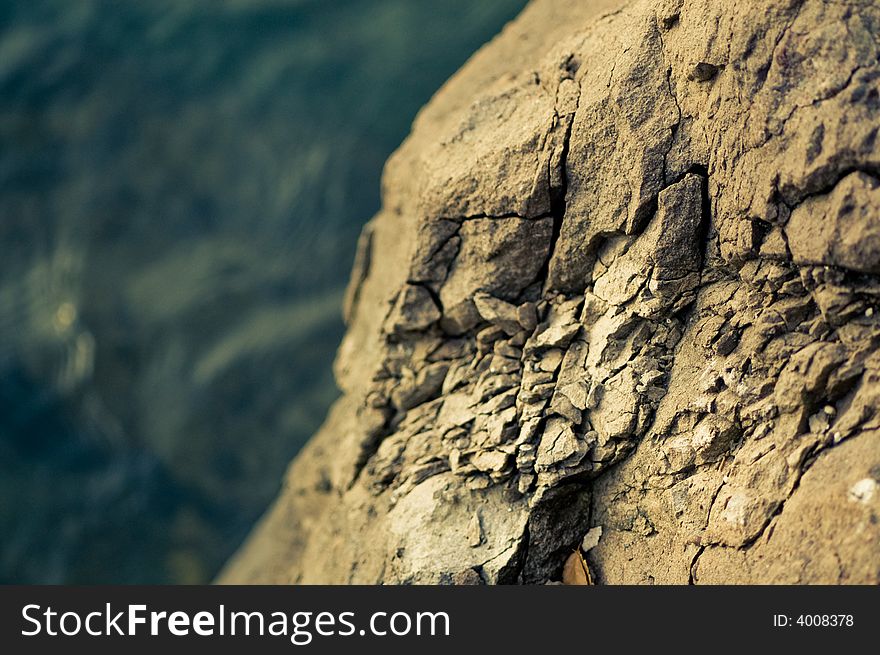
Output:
[[181, 187]]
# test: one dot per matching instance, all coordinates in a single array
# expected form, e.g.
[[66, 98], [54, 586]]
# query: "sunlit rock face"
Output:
[[625, 276]]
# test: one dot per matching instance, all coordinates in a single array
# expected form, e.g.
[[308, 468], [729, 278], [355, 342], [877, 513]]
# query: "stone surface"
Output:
[[624, 283]]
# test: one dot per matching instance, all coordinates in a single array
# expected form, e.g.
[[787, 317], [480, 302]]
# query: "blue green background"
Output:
[[181, 186]]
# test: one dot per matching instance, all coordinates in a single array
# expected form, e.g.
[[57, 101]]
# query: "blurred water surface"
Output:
[[181, 186]]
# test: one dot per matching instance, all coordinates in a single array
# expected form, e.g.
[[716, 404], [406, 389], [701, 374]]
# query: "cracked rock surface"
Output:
[[625, 282]]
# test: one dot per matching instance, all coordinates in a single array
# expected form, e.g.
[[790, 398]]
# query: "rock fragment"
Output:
[[704, 72], [591, 539], [414, 310], [498, 312], [475, 531]]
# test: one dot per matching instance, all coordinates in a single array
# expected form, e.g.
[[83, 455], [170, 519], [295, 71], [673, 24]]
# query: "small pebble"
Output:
[[591, 539], [863, 490], [704, 72]]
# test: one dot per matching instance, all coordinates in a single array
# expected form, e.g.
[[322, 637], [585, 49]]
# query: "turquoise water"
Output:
[[181, 186]]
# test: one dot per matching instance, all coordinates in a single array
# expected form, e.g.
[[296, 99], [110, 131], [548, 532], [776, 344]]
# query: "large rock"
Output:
[[629, 261]]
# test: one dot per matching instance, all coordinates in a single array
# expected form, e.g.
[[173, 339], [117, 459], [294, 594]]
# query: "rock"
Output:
[[578, 392], [863, 491], [475, 531], [642, 240], [527, 316], [559, 445], [487, 337], [466, 577], [414, 310], [456, 410], [551, 360], [562, 405], [557, 335], [502, 401], [490, 460], [841, 228], [504, 349], [424, 387], [497, 312], [712, 437], [591, 539], [704, 72]]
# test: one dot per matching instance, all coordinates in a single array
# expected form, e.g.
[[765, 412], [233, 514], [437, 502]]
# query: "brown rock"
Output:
[[667, 211]]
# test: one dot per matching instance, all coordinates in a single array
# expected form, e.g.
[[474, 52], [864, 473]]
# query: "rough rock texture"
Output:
[[626, 276]]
